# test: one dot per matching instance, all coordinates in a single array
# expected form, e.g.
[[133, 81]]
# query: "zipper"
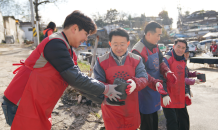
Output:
[[119, 60]]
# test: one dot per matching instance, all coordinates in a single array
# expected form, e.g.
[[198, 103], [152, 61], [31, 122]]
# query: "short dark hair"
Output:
[[83, 22], [181, 40], [51, 25], [151, 26], [187, 49], [119, 32]]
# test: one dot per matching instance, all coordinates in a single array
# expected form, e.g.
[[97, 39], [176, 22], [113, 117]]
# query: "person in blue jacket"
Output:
[[149, 100]]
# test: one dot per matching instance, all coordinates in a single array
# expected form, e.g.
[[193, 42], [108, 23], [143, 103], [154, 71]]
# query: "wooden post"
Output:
[[94, 56]]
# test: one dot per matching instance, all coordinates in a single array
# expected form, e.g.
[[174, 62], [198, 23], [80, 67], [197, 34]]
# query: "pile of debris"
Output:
[[72, 97], [76, 112]]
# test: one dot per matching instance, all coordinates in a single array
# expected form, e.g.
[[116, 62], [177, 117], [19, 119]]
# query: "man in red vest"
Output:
[[45, 75], [119, 63], [175, 111], [213, 48], [149, 100]]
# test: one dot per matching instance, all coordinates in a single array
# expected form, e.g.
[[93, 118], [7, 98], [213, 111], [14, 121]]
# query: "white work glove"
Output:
[[160, 89], [197, 81], [187, 95], [191, 93], [131, 87], [111, 93], [197, 73], [166, 100]]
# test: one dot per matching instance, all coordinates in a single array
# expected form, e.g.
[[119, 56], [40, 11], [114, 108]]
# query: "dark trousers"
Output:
[[149, 121], [177, 118], [9, 110]]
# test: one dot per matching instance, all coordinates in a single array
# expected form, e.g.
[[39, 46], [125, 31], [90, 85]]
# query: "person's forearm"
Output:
[[152, 82], [141, 83], [192, 74], [82, 82], [163, 68], [189, 81]]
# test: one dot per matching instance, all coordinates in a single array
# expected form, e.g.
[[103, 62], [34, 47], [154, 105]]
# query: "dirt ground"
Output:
[[69, 115]]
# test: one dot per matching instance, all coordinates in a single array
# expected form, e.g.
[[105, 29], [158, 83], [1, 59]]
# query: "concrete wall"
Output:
[[20, 35], [2, 29], [10, 27], [28, 32]]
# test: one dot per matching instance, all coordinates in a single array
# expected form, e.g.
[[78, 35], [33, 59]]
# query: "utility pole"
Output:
[[33, 24], [94, 55]]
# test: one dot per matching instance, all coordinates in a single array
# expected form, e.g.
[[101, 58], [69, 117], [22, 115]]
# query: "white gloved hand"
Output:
[[187, 95], [157, 85], [111, 93], [197, 81], [160, 89], [131, 87], [166, 100], [191, 93], [197, 73]]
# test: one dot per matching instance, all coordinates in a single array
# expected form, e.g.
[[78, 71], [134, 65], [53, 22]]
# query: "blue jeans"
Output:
[[9, 110]]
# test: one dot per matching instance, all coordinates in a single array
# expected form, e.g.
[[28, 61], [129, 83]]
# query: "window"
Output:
[[30, 29]]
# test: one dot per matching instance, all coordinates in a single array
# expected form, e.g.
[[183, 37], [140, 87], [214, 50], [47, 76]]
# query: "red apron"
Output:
[[125, 117], [177, 91], [43, 89], [44, 86]]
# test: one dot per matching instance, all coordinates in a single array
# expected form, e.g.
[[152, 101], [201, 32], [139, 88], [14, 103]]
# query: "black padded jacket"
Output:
[[57, 54]]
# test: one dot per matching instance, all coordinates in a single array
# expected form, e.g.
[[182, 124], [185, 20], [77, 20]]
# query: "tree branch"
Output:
[[43, 2]]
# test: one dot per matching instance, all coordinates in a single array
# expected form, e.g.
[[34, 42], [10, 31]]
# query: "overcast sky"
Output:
[[58, 13]]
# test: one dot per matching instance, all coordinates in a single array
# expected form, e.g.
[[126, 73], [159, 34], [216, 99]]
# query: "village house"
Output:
[[2, 29], [13, 33], [198, 23], [28, 30]]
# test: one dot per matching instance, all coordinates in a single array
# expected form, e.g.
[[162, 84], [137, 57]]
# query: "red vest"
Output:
[[213, 47], [140, 48], [16, 87], [125, 117], [176, 91], [44, 86]]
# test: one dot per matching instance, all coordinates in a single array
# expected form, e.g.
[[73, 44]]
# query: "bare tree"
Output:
[[187, 13], [99, 19], [40, 2], [26, 15], [111, 15], [166, 20], [11, 8], [142, 18], [122, 16]]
